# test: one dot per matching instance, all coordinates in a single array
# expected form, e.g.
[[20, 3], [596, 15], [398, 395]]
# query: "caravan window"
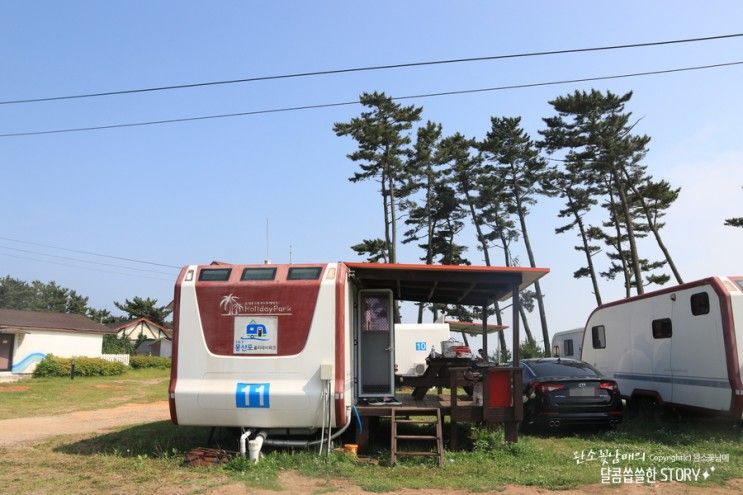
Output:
[[568, 343], [662, 329], [258, 274], [699, 303], [375, 313], [312, 273], [215, 274], [599, 337]]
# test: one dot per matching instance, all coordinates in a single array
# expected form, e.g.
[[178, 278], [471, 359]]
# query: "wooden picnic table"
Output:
[[439, 374]]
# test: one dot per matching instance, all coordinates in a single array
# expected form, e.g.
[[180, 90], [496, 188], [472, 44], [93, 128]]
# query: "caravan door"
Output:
[[375, 337], [659, 343], [700, 376]]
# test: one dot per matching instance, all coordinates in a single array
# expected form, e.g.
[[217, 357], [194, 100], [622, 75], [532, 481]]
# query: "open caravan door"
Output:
[[374, 337]]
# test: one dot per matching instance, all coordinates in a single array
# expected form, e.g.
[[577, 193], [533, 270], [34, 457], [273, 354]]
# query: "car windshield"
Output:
[[569, 369]]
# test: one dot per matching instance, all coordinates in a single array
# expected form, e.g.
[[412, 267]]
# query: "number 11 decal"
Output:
[[252, 395]]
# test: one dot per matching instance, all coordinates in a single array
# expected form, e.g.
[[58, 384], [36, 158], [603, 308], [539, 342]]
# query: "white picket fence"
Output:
[[116, 358]]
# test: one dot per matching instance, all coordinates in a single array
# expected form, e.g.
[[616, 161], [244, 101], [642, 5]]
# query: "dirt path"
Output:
[[295, 483], [22, 430]]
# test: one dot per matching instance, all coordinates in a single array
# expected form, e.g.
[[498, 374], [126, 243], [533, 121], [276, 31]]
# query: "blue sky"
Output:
[[194, 192]]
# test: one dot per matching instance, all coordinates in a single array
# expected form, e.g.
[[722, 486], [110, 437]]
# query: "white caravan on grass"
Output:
[[413, 344], [680, 347], [569, 343]]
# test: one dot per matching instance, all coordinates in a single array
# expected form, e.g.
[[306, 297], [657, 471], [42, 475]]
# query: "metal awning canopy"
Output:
[[473, 327], [458, 284], [445, 284]]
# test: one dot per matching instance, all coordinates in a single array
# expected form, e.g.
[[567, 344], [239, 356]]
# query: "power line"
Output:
[[370, 68], [146, 270], [356, 102], [133, 260], [85, 267]]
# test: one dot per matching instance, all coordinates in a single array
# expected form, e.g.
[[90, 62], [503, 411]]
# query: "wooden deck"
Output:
[[442, 402], [464, 410], [500, 408]]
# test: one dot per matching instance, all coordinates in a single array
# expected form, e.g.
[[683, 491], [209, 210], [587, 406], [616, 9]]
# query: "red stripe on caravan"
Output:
[[174, 358], [340, 344], [731, 346]]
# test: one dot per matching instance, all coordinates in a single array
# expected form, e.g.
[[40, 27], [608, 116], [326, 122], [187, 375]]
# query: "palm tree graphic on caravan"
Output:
[[230, 304]]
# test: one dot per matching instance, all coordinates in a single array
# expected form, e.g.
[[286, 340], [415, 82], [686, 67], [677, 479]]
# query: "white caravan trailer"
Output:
[[290, 349], [413, 344], [680, 346], [569, 342]]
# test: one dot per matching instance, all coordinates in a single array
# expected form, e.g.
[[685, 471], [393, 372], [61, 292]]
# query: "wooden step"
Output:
[[414, 411], [417, 437], [421, 410]]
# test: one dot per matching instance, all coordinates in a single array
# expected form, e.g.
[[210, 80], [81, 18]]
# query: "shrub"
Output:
[[52, 366], [84, 366], [149, 362], [117, 345], [531, 350]]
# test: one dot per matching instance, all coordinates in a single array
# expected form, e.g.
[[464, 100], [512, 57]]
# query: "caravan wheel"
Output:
[[650, 410]]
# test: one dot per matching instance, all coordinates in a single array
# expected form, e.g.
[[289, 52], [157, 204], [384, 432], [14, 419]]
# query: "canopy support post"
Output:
[[511, 427], [485, 330]]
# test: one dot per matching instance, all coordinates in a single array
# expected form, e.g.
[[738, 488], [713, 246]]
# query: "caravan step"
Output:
[[416, 437], [414, 411]]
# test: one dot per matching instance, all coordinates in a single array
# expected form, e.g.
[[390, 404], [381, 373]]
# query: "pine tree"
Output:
[[41, 296], [575, 181], [514, 158], [504, 230], [140, 307], [594, 129], [424, 175], [465, 169], [382, 136], [375, 250]]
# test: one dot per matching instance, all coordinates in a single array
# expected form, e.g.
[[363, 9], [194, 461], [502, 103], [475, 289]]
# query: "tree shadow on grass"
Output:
[[158, 439]]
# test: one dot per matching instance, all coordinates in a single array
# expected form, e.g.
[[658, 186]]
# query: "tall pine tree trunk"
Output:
[[630, 232], [393, 220], [620, 249], [537, 288], [478, 228], [527, 329], [584, 240], [656, 233], [386, 215], [393, 240], [429, 246], [486, 252], [507, 259]]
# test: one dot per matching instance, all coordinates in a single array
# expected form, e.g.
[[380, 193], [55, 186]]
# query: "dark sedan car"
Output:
[[568, 392]]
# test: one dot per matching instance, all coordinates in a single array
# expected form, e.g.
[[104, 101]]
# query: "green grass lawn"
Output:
[[151, 455], [148, 457], [44, 396]]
